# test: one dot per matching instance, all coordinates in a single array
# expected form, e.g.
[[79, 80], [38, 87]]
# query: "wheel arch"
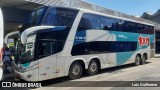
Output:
[[139, 54], [81, 60]]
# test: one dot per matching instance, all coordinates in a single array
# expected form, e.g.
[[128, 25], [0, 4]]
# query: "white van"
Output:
[[1, 42]]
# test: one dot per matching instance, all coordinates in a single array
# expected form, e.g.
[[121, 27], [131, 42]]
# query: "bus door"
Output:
[[48, 66]]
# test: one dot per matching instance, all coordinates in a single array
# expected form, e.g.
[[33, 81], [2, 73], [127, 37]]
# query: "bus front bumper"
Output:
[[27, 76]]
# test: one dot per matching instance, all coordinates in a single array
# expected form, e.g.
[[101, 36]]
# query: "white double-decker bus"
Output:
[[62, 41]]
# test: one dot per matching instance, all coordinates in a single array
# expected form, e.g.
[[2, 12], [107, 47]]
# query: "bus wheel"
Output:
[[75, 70], [137, 60], [143, 61], [92, 68]]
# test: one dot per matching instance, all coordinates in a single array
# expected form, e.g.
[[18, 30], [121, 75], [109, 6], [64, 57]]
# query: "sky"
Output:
[[131, 7]]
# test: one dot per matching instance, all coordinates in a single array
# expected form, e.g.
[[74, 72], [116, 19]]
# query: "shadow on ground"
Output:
[[65, 81]]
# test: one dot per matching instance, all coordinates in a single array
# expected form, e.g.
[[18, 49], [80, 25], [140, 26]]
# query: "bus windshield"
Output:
[[54, 16], [25, 52], [28, 51], [60, 17], [35, 16]]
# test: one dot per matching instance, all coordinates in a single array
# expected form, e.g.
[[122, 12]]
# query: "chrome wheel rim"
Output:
[[93, 67], [76, 70], [138, 60]]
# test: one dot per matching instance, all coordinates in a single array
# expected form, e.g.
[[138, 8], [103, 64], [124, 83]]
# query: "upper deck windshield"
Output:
[[54, 16], [35, 16]]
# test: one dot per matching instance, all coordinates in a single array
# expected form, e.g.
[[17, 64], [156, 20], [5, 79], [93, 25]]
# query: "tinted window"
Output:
[[157, 47], [60, 17], [46, 48], [130, 27], [36, 16], [157, 42], [51, 41], [91, 21], [51, 18], [109, 23], [157, 35], [99, 47]]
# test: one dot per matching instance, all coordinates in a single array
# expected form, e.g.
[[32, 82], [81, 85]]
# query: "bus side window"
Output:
[[89, 21], [85, 24], [46, 48], [106, 23], [80, 49], [66, 17]]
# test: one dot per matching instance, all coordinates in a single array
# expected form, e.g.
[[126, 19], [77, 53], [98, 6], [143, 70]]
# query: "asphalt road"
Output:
[[147, 72]]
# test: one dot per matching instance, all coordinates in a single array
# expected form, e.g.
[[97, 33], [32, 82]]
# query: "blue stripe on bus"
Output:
[[123, 57]]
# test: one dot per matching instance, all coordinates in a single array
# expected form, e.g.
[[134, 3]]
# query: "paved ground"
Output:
[[148, 72]]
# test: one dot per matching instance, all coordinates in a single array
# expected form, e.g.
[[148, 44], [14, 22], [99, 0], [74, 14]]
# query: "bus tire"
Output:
[[143, 61], [92, 68], [75, 70], [137, 60]]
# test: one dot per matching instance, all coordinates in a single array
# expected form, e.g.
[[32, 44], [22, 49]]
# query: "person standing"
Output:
[[7, 59]]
